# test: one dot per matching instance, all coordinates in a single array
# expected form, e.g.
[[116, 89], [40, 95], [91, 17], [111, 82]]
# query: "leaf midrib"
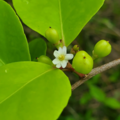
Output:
[[61, 23], [25, 85], [2, 62]]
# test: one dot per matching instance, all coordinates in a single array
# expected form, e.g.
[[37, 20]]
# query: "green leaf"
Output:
[[37, 48], [94, 79], [97, 93], [85, 98], [114, 76], [1, 62], [70, 118], [13, 43], [32, 91], [112, 102], [68, 17], [118, 118], [88, 115]]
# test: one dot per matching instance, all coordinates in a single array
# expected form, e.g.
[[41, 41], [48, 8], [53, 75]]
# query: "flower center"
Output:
[[61, 57]]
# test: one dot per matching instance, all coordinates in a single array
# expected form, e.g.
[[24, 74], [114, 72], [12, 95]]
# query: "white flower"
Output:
[[62, 57]]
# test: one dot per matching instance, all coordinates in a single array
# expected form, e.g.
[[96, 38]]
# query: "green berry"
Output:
[[82, 62], [102, 48], [75, 48], [52, 35], [45, 59]]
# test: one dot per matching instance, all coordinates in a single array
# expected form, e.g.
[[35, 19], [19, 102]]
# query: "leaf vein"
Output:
[[63, 41], [25, 85]]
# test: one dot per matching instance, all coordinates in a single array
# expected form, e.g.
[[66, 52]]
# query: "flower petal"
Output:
[[64, 50], [58, 65], [69, 56], [55, 61], [56, 53], [60, 50], [64, 63]]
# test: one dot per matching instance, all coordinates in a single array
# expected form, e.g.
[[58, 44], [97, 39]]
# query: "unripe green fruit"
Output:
[[45, 59], [75, 48], [52, 35], [102, 48], [82, 62]]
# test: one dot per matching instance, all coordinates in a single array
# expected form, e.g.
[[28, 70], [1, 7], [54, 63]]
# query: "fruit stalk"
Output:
[[69, 66]]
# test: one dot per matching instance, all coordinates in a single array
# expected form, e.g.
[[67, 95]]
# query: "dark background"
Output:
[[83, 104]]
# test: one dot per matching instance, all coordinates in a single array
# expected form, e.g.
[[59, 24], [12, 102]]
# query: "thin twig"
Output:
[[96, 71]]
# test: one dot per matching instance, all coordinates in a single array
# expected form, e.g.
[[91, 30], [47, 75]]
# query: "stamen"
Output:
[[61, 57]]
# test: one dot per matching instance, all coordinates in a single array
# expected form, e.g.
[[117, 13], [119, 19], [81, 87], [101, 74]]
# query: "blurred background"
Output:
[[98, 98]]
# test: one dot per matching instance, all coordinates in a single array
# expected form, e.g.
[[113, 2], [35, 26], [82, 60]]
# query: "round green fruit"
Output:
[[102, 48], [75, 48], [52, 35], [82, 62], [45, 59]]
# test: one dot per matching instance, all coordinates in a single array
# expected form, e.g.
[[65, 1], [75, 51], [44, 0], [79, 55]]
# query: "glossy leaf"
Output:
[[13, 43], [37, 48], [1, 62], [68, 17], [28, 91]]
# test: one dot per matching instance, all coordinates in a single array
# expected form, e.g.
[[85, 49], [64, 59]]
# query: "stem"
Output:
[[66, 70], [96, 71], [69, 66]]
